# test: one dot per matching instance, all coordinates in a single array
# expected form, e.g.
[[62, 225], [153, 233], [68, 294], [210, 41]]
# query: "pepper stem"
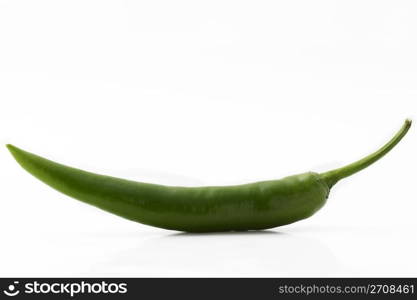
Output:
[[333, 176]]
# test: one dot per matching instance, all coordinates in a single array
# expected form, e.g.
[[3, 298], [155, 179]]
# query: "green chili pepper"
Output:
[[253, 206]]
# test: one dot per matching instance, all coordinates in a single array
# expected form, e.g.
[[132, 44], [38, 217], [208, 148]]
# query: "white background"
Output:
[[209, 93]]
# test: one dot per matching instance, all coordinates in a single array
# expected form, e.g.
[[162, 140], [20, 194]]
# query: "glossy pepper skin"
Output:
[[252, 206]]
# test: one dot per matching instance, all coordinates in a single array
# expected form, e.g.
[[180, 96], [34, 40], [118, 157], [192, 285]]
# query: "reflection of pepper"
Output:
[[251, 206]]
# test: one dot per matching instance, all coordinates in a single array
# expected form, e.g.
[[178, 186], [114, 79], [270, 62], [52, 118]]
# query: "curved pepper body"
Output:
[[258, 205]]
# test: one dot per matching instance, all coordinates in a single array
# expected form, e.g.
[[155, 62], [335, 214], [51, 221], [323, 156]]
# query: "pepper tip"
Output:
[[11, 148]]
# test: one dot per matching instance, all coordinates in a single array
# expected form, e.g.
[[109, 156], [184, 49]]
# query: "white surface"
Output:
[[219, 92]]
